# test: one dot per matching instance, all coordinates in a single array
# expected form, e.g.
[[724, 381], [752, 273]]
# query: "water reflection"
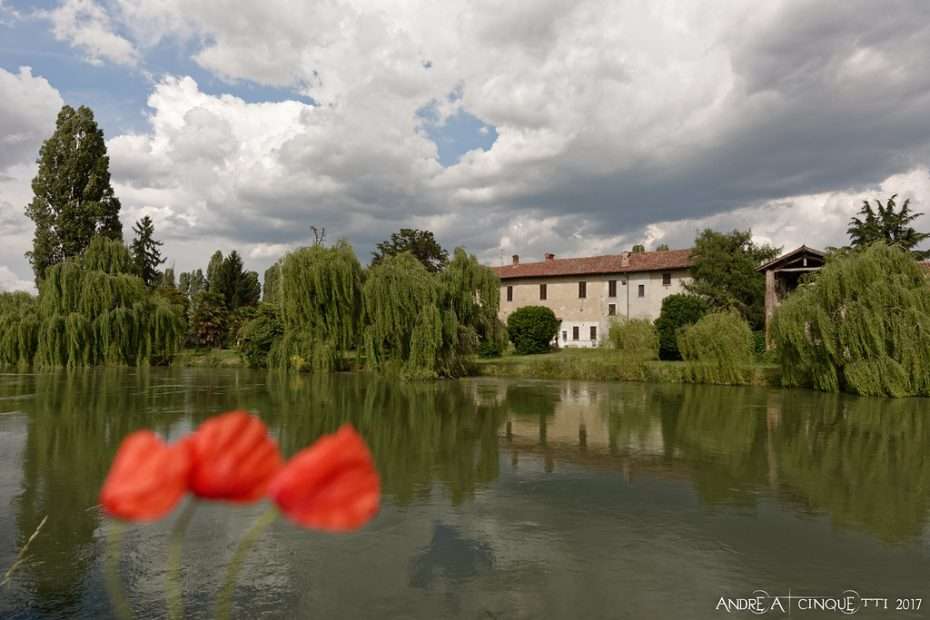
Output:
[[453, 455]]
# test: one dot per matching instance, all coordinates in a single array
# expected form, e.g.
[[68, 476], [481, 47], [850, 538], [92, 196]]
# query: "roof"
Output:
[[626, 262], [791, 255]]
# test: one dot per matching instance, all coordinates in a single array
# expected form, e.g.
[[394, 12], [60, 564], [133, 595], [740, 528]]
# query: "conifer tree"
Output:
[[72, 196], [146, 257]]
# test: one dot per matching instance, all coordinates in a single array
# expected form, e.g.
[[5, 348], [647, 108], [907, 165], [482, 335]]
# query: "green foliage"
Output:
[[19, 329], [718, 348], [320, 299], [209, 323], [215, 273], [531, 329], [72, 197], [472, 291], [636, 339], [724, 272], [662, 247], [861, 325], [420, 243], [887, 225], [238, 287], [271, 290], [258, 335], [89, 312], [427, 324], [405, 328], [638, 248], [494, 343], [146, 257], [678, 311], [106, 255]]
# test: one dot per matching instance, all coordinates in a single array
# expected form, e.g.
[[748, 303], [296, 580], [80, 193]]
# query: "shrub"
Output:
[[719, 348], [257, 336], [635, 338], [209, 320], [494, 342], [531, 329], [862, 325], [677, 311]]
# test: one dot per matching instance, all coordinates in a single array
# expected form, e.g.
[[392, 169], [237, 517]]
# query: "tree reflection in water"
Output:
[[863, 462]]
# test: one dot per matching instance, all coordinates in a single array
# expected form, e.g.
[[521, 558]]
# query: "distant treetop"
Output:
[[421, 243]]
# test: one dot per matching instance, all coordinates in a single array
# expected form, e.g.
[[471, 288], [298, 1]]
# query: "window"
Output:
[[612, 309], [582, 290], [575, 333], [642, 290], [666, 279], [593, 332], [542, 291], [564, 336], [611, 288]]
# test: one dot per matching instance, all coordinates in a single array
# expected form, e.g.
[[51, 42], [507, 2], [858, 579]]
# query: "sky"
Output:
[[576, 127]]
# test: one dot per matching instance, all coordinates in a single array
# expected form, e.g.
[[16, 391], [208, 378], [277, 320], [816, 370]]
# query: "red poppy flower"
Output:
[[232, 458], [147, 478], [332, 485]]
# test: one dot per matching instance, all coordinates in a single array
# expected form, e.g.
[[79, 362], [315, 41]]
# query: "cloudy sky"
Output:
[[527, 126]]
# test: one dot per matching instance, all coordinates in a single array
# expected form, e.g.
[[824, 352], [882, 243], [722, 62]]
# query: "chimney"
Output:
[[550, 256], [516, 259], [624, 259]]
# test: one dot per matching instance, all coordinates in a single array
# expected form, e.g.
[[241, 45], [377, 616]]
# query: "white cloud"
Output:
[[26, 119], [87, 26], [9, 281], [27, 116], [617, 122]]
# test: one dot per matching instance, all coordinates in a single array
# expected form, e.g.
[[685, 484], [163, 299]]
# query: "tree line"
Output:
[[103, 302]]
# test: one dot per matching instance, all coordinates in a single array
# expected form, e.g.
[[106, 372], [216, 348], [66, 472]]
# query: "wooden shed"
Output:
[[782, 276]]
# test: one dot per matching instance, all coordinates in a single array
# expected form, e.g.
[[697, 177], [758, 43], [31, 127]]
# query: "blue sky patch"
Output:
[[462, 132]]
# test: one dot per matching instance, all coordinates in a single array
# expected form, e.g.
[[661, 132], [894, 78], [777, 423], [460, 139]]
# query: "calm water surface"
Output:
[[503, 499]]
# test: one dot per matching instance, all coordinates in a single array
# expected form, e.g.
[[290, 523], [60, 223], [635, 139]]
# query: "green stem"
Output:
[[173, 590], [224, 603], [114, 587]]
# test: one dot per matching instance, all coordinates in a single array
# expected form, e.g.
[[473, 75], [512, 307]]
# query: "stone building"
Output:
[[587, 293]]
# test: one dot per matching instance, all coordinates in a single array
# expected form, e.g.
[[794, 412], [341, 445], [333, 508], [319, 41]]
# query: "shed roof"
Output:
[[792, 255], [627, 262]]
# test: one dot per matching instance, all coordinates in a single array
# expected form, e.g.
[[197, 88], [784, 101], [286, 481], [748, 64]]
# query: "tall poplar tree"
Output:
[[146, 257], [72, 196]]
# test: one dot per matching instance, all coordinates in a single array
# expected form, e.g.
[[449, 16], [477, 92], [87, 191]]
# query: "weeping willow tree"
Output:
[[718, 348], [90, 311], [862, 325], [19, 329], [427, 324], [472, 291], [319, 295]]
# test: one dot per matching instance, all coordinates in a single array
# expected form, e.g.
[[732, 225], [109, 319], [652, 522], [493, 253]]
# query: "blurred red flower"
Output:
[[147, 478], [232, 458], [332, 485]]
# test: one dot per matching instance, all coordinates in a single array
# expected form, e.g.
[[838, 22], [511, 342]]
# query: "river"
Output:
[[502, 498]]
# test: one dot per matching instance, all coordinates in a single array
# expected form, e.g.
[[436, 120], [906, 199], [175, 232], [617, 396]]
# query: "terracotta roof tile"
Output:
[[589, 265]]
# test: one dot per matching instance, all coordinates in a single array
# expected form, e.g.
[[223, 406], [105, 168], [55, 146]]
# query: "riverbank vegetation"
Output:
[[862, 325]]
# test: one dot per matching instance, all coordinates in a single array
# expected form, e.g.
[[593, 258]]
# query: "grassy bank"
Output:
[[208, 358], [607, 365]]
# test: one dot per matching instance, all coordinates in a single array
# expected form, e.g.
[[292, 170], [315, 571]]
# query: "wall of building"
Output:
[[594, 309]]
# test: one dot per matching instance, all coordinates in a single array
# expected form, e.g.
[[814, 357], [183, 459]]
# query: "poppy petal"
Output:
[[332, 485]]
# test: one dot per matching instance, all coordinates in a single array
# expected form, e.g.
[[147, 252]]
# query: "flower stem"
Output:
[[224, 603], [111, 569], [173, 590]]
